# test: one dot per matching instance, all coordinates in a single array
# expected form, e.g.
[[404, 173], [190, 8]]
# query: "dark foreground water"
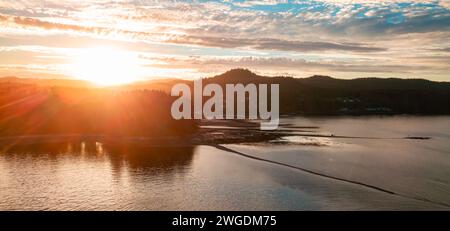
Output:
[[89, 176]]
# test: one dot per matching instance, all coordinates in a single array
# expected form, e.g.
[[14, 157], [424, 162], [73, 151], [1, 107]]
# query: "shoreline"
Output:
[[210, 132]]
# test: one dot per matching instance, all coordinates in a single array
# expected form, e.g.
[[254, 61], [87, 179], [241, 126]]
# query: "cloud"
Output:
[[225, 42], [446, 49], [217, 64], [30, 23], [273, 44], [403, 36]]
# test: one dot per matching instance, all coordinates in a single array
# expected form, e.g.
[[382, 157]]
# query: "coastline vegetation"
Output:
[[27, 109]]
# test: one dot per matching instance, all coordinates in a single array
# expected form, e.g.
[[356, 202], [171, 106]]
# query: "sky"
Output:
[[144, 39]]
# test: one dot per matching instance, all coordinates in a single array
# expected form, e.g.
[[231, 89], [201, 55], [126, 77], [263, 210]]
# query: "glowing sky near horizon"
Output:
[[188, 39]]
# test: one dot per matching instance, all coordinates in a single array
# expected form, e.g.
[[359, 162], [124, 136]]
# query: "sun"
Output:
[[106, 66]]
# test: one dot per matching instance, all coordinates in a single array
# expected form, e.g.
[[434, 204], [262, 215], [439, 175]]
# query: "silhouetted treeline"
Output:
[[27, 109], [143, 108], [322, 95]]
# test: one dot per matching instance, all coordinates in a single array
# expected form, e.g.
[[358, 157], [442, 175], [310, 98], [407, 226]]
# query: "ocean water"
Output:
[[365, 165]]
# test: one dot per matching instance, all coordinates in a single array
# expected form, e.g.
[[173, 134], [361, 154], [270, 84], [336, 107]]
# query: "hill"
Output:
[[324, 95]]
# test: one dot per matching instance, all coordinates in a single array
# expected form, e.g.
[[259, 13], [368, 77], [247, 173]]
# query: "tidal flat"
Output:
[[311, 163]]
